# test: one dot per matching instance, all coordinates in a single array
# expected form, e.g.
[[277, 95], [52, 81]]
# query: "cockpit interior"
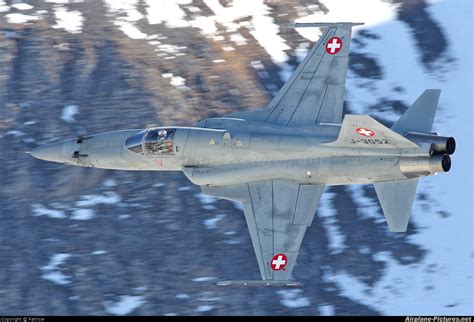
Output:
[[152, 141]]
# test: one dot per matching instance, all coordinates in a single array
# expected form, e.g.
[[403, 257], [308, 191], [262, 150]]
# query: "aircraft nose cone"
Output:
[[49, 152]]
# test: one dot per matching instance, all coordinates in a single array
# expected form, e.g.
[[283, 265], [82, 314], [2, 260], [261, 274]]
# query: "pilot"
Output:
[[162, 134]]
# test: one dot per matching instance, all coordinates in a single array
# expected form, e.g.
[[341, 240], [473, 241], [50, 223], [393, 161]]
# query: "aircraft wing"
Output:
[[315, 91], [277, 214]]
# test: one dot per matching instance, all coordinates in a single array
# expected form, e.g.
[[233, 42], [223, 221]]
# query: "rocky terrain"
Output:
[[79, 241]]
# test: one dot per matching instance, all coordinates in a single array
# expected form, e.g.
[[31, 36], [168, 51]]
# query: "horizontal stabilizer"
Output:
[[362, 131], [396, 199], [420, 116], [268, 283]]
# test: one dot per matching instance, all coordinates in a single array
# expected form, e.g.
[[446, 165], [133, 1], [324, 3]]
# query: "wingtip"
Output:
[[259, 283], [323, 24]]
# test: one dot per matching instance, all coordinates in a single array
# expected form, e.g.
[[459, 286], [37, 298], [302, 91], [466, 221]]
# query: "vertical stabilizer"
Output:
[[420, 116]]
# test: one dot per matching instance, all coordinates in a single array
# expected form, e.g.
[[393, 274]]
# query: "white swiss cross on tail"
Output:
[[365, 132], [278, 262], [333, 45]]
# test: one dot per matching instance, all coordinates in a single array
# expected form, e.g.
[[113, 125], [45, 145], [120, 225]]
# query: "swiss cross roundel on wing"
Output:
[[365, 132], [333, 45], [278, 262]]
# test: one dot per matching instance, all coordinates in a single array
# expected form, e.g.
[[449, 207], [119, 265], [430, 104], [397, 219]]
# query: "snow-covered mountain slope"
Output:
[[106, 242]]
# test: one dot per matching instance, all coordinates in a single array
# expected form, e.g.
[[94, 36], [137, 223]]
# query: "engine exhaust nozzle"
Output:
[[439, 144]]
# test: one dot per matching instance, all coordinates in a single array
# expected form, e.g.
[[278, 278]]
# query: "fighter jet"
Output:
[[278, 160]]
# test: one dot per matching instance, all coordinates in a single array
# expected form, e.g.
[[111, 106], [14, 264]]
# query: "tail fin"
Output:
[[396, 199], [420, 116]]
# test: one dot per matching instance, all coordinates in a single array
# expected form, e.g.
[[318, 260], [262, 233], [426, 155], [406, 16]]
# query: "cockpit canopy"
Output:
[[157, 141], [135, 142]]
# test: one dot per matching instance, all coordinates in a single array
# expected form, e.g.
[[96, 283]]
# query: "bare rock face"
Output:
[[88, 241]]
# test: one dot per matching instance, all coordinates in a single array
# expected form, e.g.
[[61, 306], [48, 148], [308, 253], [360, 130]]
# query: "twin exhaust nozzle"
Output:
[[440, 147]]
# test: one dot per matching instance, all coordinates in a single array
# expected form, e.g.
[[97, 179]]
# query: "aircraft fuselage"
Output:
[[240, 151]]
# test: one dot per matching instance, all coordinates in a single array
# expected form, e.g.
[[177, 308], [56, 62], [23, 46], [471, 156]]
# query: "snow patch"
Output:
[[126, 8], [168, 12], [4, 7], [193, 9], [326, 310], [204, 279], [141, 288], [15, 133], [209, 207], [204, 308], [19, 18], [367, 208], [99, 252], [231, 242], [110, 183], [40, 210], [51, 271], [126, 14], [238, 205], [108, 198], [183, 296], [55, 261], [62, 1], [293, 299], [212, 222], [82, 214], [71, 21], [205, 199], [238, 39], [126, 305], [56, 277], [20, 6], [329, 221], [130, 30], [177, 81], [69, 112], [257, 64]]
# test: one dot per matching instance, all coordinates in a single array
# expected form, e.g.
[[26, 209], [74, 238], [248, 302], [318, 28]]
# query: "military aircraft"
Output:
[[278, 160]]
